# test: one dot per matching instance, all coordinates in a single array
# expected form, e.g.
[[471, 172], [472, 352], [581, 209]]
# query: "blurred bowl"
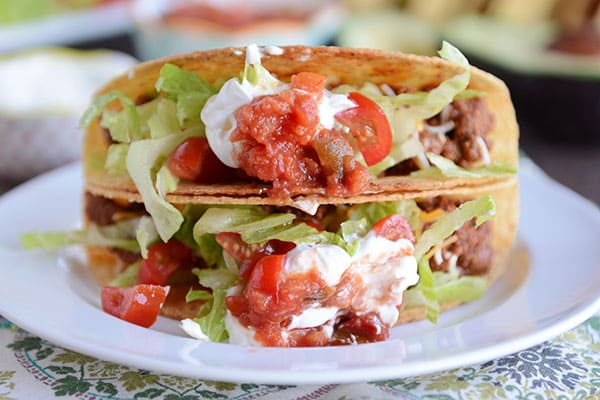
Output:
[[173, 27], [556, 94], [42, 95], [33, 145], [389, 30]]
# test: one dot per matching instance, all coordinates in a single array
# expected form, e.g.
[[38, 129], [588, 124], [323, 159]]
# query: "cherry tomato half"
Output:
[[139, 304], [249, 254], [369, 126], [394, 227], [193, 160], [163, 260], [265, 275], [233, 244]]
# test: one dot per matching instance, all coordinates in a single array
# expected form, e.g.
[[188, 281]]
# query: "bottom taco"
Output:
[[276, 276]]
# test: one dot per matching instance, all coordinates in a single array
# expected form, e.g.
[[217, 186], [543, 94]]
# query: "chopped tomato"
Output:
[[249, 254], [309, 82], [394, 227], [139, 304], [369, 126], [314, 224], [195, 161], [163, 260], [265, 275]]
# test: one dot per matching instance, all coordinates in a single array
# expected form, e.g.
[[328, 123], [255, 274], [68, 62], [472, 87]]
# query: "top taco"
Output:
[[335, 124]]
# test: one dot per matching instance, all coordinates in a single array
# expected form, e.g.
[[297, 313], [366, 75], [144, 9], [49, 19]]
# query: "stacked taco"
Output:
[[297, 196]]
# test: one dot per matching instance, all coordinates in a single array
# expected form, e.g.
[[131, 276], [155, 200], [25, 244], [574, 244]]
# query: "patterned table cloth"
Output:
[[567, 367]]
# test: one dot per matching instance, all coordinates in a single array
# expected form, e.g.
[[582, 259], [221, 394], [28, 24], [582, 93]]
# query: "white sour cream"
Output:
[[239, 334], [192, 328], [328, 260], [313, 317], [387, 268]]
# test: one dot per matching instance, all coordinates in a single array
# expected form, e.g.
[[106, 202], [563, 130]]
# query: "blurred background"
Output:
[[55, 53]]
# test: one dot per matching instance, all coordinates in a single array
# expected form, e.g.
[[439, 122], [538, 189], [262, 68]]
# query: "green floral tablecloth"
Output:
[[567, 367]]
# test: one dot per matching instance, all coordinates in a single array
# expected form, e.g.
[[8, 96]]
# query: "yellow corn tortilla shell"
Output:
[[342, 66]]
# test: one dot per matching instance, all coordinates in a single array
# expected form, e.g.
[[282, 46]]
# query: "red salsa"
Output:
[[281, 141]]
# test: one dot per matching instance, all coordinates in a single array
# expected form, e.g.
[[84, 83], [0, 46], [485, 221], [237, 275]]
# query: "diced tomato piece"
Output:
[[309, 82], [265, 275], [139, 304], [163, 260], [369, 126], [237, 304], [394, 227], [195, 161], [314, 224]]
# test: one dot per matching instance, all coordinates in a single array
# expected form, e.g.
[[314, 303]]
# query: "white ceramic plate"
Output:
[[59, 301]]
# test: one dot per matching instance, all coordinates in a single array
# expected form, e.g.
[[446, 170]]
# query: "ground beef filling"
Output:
[[103, 211], [472, 251], [460, 133]]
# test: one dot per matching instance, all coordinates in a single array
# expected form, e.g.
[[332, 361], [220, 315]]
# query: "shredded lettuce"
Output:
[[127, 128], [373, 212], [239, 220], [166, 182], [118, 124], [425, 286], [447, 287], [118, 235], [189, 90], [296, 233], [163, 121], [464, 288], [444, 167], [404, 120], [145, 235], [115, 158], [482, 208], [141, 160], [254, 227], [211, 316], [206, 245], [210, 251], [216, 278], [176, 80], [258, 75], [128, 277], [198, 294], [350, 231]]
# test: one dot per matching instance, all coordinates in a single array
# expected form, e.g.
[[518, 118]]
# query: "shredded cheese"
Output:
[[440, 246], [431, 216], [484, 150]]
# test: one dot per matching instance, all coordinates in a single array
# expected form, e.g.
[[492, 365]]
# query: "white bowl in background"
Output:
[[155, 38], [43, 93]]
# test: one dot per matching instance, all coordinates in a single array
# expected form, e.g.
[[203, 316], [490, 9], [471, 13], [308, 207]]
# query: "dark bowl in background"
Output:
[[560, 109]]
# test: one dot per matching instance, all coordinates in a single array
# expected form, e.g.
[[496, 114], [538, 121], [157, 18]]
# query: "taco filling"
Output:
[[276, 276]]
